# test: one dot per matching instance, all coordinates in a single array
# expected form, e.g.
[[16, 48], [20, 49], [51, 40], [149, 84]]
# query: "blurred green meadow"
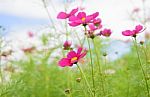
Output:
[[37, 77]]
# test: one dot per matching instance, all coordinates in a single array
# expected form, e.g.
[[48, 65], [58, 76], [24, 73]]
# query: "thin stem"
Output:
[[146, 58], [50, 18], [146, 83], [86, 81], [100, 69], [128, 83], [91, 62]]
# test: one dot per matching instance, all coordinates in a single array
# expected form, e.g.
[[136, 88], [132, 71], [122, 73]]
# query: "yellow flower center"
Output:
[[107, 34], [74, 59], [83, 19]]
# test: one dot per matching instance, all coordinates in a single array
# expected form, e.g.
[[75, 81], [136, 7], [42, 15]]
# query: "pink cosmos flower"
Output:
[[67, 45], [64, 15], [30, 34], [95, 24], [82, 18], [73, 57], [105, 32], [138, 29]]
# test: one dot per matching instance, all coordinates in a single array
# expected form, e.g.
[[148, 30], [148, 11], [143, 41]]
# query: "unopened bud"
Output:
[[78, 80], [67, 91], [105, 54], [141, 42]]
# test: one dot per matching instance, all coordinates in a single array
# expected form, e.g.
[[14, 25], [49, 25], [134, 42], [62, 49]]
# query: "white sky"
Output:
[[114, 13]]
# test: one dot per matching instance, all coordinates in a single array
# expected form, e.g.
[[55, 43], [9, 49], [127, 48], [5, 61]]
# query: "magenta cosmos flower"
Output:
[[138, 29], [82, 18], [95, 24], [73, 57], [105, 32], [64, 15]]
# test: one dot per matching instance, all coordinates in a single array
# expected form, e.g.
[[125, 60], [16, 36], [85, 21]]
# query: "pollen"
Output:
[[74, 59], [83, 19]]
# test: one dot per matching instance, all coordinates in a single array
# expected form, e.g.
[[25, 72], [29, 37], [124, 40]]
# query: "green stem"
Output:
[[86, 81], [146, 58], [99, 67], [91, 62], [128, 83], [146, 83]]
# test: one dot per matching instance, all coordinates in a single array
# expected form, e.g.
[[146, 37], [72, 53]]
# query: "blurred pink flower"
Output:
[[138, 29], [67, 45], [30, 34], [64, 15], [136, 10], [82, 18], [106, 32], [72, 57]]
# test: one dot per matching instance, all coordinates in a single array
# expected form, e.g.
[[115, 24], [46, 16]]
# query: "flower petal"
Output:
[[81, 15], [74, 24], [127, 33], [71, 54], [73, 11], [73, 18], [94, 15], [79, 50], [62, 15], [92, 27], [64, 62], [138, 28], [82, 55]]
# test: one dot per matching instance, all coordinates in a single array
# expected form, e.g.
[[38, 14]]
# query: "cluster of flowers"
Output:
[[76, 19], [93, 23], [81, 18]]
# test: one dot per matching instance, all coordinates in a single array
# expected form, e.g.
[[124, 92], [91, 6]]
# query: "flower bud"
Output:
[[141, 42], [67, 91], [105, 54], [78, 80], [67, 45]]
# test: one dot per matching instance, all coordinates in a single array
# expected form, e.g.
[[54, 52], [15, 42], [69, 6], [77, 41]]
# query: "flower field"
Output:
[[78, 54]]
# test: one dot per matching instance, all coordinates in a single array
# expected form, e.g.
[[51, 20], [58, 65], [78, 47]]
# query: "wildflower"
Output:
[[82, 18], [105, 32], [30, 34], [64, 15], [72, 57], [95, 24], [67, 45], [133, 33]]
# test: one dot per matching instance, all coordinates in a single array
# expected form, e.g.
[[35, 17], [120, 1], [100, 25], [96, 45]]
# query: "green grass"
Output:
[[40, 78]]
